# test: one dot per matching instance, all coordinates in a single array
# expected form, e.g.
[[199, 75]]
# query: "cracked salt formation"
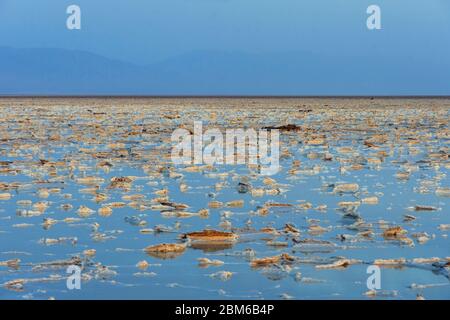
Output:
[[90, 182]]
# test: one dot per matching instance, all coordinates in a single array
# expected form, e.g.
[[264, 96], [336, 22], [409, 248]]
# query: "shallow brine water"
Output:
[[90, 182]]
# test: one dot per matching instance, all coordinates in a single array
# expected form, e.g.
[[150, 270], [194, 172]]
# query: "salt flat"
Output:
[[90, 182]]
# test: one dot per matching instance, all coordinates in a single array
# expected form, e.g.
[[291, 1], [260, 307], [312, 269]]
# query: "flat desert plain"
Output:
[[362, 191]]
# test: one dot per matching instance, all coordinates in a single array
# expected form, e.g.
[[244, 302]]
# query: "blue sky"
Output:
[[146, 31], [230, 47]]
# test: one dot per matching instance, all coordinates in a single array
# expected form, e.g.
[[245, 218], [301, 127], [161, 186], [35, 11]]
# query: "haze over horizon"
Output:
[[226, 46]]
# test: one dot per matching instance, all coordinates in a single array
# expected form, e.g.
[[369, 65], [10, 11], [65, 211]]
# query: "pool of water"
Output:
[[394, 150]]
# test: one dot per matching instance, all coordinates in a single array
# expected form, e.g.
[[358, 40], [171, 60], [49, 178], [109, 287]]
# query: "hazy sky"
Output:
[[143, 31]]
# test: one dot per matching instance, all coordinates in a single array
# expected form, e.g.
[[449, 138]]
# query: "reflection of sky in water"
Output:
[[182, 278]]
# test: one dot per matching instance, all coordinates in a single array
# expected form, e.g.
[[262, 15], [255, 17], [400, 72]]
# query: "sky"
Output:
[[147, 31]]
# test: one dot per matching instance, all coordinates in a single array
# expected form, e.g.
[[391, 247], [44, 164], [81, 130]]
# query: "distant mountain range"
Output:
[[68, 72]]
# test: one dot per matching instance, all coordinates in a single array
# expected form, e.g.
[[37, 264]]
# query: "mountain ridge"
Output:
[[52, 71]]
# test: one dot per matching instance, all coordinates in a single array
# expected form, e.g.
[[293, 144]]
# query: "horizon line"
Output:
[[101, 96]]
